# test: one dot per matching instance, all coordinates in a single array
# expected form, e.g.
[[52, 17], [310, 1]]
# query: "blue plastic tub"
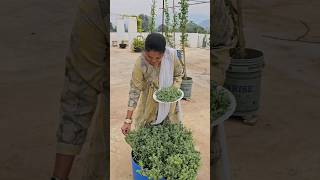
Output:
[[136, 175]]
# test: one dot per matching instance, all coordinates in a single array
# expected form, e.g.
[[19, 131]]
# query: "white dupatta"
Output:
[[166, 80]]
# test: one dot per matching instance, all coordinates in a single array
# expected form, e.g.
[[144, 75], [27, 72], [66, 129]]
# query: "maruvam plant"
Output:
[[169, 94], [165, 151]]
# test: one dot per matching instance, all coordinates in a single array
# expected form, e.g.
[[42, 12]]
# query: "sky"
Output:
[[197, 13]]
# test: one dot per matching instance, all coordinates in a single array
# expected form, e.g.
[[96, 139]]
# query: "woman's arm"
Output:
[[136, 85], [134, 95]]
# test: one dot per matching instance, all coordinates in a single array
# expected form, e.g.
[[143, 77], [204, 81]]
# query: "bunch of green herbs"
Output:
[[169, 94], [219, 101]]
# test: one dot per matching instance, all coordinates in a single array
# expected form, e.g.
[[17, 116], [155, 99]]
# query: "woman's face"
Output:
[[153, 57]]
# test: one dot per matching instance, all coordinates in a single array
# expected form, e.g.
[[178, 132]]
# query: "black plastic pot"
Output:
[[137, 50], [122, 46]]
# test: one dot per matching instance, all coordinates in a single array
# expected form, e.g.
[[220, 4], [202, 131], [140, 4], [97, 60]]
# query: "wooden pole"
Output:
[[174, 22]]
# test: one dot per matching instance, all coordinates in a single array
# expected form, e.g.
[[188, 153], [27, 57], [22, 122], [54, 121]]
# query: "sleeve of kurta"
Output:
[[136, 85], [177, 72]]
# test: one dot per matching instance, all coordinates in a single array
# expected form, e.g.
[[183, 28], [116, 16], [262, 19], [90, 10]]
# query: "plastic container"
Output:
[[135, 174]]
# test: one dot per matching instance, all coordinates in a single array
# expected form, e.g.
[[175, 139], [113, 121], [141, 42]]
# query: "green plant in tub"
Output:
[[138, 43], [165, 151]]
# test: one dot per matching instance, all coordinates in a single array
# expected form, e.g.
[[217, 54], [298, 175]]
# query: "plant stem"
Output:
[[174, 25], [184, 62], [242, 42], [162, 15], [153, 14], [183, 16], [167, 29]]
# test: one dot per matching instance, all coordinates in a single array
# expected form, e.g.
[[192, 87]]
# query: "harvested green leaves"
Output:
[[219, 102], [169, 94], [165, 151]]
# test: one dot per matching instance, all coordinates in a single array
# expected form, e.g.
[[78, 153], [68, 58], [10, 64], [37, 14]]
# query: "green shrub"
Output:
[[165, 151]]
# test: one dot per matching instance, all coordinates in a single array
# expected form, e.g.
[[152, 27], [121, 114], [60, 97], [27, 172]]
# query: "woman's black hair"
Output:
[[155, 42]]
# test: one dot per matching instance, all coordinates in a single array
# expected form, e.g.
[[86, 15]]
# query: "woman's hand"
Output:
[[126, 127]]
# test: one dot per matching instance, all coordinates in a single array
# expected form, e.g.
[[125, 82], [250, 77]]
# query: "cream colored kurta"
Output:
[[144, 82]]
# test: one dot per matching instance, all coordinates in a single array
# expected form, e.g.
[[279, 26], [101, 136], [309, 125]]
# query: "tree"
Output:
[[145, 22], [183, 17], [152, 24], [222, 21], [139, 25], [167, 28], [159, 28], [236, 34], [241, 39], [195, 28], [174, 25]]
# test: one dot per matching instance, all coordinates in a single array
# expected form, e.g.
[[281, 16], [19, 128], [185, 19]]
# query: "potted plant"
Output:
[[122, 45], [243, 78], [163, 152], [186, 84], [138, 44]]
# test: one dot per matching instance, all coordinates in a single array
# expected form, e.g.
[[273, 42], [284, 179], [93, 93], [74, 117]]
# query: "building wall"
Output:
[[195, 40]]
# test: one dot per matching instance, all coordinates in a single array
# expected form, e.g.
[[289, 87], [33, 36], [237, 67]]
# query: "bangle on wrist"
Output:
[[128, 121]]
